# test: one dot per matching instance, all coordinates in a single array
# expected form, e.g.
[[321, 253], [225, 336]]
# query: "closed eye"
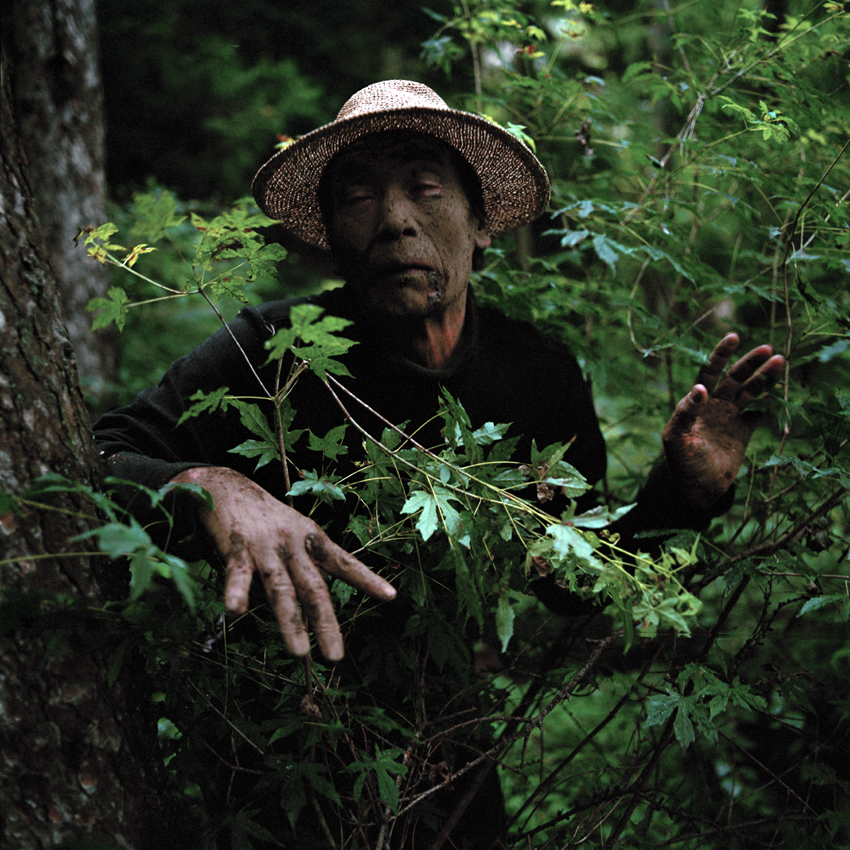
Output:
[[427, 189], [357, 197]]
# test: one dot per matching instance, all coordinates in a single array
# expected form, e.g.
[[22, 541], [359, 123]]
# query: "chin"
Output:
[[403, 302]]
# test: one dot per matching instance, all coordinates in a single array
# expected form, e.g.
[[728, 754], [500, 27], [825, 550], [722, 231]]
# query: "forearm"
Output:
[[664, 504]]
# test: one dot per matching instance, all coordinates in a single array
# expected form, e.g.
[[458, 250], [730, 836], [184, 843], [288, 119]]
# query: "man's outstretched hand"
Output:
[[707, 435], [254, 532]]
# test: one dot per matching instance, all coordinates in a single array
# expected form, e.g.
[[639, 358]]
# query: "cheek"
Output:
[[350, 233], [454, 237]]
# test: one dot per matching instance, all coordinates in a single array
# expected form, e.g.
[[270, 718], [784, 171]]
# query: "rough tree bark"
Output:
[[58, 99], [75, 756]]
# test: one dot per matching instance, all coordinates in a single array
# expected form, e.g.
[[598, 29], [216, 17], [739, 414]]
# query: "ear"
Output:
[[482, 235]]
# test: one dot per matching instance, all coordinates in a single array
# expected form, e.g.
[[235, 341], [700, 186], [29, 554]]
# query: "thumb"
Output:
[[686, 412]]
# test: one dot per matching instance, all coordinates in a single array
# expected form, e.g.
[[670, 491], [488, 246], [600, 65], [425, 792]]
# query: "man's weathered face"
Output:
[[401, 227]]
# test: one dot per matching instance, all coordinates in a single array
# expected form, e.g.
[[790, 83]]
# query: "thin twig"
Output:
[[658, 749], [235, 342], [748, 754], [543, 787], [224, 717], [534, 723], [326, 831]]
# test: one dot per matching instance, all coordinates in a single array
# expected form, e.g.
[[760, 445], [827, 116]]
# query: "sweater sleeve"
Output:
[[143, 443], [663, 505]]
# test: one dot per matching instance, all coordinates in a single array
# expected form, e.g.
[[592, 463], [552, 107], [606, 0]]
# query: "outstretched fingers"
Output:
[[751, 376], [335, 561], [707, 435], [747, 379], [255, 532], [299, 581], [711, 371], [294, 583]]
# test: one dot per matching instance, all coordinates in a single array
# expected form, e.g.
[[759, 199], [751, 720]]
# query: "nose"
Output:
[[397, 212]]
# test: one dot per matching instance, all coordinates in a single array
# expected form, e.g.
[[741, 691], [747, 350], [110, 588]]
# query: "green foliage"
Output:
[[229, 254], [653, 236], [181, 262], [120, 537], [698, 186], [315, 342]]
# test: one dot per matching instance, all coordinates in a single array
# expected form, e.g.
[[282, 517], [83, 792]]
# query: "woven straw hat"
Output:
[[514, 184]]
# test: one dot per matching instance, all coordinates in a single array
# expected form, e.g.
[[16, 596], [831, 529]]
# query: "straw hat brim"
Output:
[[514, 184]]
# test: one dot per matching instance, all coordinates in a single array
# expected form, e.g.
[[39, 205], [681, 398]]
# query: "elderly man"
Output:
[[406, 194]]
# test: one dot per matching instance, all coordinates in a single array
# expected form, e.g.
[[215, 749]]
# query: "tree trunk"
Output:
[[58, 100], [76, 756]]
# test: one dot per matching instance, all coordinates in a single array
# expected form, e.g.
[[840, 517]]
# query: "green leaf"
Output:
[[142, 571], [599, 517], [468, 594], [458, 428], [323, 488], [207, 403], [571, 238], [285, 726], [177, 570], [313, 337], [316, 775], [154, 214], [569, 540], [243, 827], [384, 766], [807, 470], [341, 591], [660, 708], [263, 450], [605, 251], [552, 470], [683, 728], [99, 234], [817, 602], [518, 131], [332, 444], [445, 645], [113, 308], [489, 433], [119, 540], [636, 69], [255, 421], [434, 511], [387, 787]]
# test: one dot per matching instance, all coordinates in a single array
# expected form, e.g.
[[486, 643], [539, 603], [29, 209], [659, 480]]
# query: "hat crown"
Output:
[[514, 185], [389, 95]]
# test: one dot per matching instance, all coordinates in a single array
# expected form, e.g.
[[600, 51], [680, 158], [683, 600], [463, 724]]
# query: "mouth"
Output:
[[392, 269]]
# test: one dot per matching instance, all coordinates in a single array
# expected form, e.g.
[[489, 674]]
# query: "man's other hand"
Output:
[[707, 435], [254, 532]]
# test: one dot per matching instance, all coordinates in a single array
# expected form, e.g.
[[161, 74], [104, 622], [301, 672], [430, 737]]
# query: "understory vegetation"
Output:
[[699, 697]]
